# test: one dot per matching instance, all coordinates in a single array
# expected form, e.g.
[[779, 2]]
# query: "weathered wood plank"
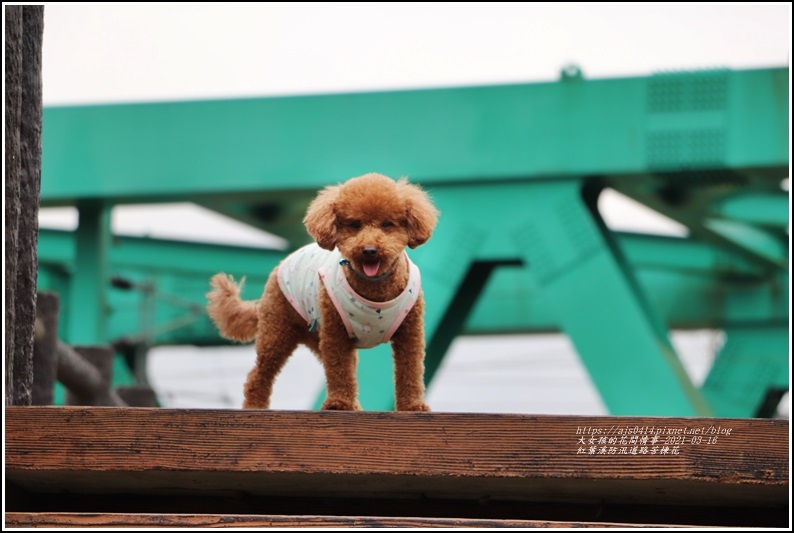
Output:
[[246, 504], [96, 520], [371, 454]]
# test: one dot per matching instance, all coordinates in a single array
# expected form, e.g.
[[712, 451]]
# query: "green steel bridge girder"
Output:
[[492, 273], [92, 244], [678, 142], [155, 289], [761, 208], [580, 273], [574, 262], [708, 149], [622, 127], [690, 284], [751, 356]]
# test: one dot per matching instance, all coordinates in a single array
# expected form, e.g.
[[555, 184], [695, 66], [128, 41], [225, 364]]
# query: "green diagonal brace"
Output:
[[582, 273], [753, 361], [576, 267], [570, 257]]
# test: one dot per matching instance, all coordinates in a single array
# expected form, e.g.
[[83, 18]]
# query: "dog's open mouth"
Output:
[[371, 268]]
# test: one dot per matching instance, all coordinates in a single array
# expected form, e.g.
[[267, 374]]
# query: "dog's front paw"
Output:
[[417, 406], [332, 404]]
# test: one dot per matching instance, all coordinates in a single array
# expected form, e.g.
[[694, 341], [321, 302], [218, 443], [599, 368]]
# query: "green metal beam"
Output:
[[753, 361], [90, 277], [674, 269], [685, 255], [202, 149], [164, 255], [169, 278], [754, 240], [510, 303], [762, 208], [690, 284], [583, 277], [622, 342], [509, 166]]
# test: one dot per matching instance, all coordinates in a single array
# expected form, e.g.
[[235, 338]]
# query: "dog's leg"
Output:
[[340, 364], [408, 346], [277, 336], [272, 352], [339, 357]]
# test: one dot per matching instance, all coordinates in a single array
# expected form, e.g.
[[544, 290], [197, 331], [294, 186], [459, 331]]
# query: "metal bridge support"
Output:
[[582, 274], [750, 372], [570, 257], [506, 164], [88, 307]]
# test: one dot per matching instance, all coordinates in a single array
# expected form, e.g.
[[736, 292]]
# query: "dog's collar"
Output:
[[346, 263]]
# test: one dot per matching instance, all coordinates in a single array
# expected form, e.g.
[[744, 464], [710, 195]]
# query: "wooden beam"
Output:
[[93, 520], [710, 462]]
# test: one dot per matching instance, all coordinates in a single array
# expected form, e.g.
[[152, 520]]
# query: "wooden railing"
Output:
[[85, 371]]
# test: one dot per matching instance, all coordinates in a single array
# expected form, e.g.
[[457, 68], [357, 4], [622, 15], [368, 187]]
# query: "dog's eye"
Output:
[[355, 224], [387, 224]]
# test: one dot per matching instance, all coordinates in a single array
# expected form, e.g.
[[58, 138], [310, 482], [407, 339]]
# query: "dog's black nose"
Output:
[[370, 252]]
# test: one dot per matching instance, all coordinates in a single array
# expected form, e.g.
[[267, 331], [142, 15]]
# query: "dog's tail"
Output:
[[235, 318]]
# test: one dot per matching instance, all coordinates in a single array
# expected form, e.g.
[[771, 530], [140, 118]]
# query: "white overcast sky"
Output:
[[119, 53], [155, 52]]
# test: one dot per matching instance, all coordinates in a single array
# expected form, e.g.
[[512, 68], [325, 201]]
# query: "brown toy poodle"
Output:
[[354, 288]]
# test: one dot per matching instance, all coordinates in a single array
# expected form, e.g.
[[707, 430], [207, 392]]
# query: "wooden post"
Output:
[[24, 29], [45, 357], [13, 35]]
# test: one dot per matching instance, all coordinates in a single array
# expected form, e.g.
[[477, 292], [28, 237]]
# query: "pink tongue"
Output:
[[371, 269]]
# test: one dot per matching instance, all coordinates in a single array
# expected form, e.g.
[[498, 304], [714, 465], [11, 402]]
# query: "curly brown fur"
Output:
[[371, 220], [235, 318]]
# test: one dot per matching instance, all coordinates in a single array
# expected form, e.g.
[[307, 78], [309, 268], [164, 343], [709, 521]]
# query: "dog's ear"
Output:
[[320, 219], [421, 215]]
